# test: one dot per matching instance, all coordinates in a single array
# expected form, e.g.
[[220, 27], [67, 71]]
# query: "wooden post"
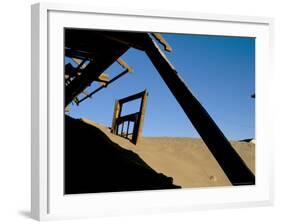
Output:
[[141, 118], [116, 114]]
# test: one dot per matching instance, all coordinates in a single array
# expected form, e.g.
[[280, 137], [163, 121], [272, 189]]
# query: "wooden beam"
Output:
[[77, 60], [162, 41], [116, 114], [139, 125], [124, 65], [132, 97], [103, 78], [131, 39], [71, 53], [234, 167], [110, 53], [104, 86]]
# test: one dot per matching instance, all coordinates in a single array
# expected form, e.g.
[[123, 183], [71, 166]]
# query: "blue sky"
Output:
[[219, 70]]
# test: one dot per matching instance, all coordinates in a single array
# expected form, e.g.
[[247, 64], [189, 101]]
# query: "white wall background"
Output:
[[15, 111]]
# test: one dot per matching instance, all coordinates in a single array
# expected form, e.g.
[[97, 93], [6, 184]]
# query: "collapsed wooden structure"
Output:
[[100, 49]]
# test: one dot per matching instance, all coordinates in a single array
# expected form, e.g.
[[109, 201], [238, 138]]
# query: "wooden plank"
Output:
[[103, 78], [132, 97], [162, 41], [116, 114], [77, 60], [124, 65], [104, 86]]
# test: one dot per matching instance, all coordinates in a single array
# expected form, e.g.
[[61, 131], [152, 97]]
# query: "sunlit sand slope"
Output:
[[187, 160]]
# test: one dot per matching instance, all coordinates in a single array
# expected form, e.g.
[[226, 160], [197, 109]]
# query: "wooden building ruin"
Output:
[[100, 49]]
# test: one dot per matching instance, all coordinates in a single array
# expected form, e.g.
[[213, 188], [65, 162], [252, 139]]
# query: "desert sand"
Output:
[[93, 163], [187, 160]]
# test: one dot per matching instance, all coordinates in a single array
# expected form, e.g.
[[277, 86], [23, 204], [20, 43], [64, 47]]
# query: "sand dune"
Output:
[[93, 163], [187, 160]]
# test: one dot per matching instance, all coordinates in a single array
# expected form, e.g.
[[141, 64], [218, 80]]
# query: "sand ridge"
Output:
[[187, 160]]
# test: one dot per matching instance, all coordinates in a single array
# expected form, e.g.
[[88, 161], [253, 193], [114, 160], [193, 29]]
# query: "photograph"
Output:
[[157, 111]]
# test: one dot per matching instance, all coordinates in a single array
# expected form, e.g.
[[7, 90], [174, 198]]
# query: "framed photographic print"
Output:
[[148, 111]]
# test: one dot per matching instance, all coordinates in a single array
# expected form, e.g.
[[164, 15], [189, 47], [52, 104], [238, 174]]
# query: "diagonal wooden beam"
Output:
[[162, 41], [103, 59], [124, 65], [229, 160]]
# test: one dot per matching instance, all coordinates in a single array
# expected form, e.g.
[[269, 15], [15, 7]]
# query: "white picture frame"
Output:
[[48, 201]]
